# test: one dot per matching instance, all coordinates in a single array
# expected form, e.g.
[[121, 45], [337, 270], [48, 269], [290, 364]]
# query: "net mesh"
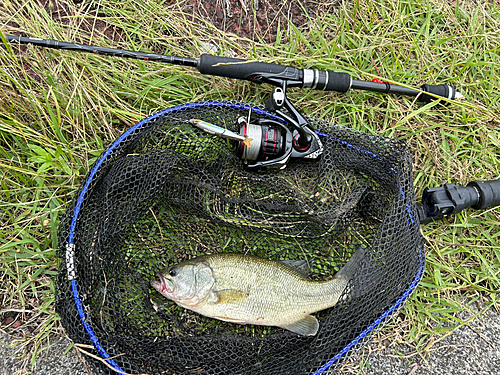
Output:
[[165, 192]]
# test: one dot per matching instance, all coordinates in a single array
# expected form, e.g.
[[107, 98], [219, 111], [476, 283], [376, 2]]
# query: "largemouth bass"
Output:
[[247, 289]]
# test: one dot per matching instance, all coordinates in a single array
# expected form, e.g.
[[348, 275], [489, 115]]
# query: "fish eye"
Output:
[[173, 271]]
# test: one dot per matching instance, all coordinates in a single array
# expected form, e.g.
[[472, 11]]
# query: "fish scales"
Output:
[[246, 289], [272, 285]]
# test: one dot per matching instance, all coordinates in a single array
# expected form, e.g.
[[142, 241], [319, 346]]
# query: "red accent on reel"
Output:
[[297, 146]]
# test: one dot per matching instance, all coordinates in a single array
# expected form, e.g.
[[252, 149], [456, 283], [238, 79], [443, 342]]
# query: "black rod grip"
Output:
[[489, 193], [257, 72], [326, 80], [338, 81], [441, 90]]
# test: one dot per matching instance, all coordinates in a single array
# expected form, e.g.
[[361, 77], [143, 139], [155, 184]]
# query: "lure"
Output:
[[220, 132]]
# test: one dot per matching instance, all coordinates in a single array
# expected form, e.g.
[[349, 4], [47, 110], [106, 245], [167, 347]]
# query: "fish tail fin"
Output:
[[353, 265], [360, 273], [247, 141]]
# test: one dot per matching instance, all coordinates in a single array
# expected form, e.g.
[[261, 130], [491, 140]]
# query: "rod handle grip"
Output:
[[257, 72], [336, 81], [445, 91]]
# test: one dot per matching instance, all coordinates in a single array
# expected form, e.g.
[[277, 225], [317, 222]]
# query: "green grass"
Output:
[[59, 109]]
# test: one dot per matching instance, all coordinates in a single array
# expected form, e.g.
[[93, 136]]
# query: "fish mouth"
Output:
[[166, 285]]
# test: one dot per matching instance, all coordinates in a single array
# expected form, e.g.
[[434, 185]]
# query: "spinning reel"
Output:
[[269, 143], [275, 142]]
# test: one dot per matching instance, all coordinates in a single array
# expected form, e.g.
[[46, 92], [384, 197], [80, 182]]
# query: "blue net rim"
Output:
[[70, 247]]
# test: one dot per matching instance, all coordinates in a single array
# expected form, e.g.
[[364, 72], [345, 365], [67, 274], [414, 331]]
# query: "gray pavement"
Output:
[[51, 361], [471, 350]]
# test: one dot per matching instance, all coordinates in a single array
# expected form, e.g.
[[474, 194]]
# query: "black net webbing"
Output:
[[165, 192]]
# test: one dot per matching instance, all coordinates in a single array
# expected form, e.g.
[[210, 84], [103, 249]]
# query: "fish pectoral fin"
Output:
[[307, 326], [227, 296]]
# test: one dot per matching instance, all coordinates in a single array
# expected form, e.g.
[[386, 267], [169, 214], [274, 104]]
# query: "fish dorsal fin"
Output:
[[307, 326], [301, 266], [227, 296]]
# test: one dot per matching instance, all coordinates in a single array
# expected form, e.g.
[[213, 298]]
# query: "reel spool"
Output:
[[271, 141]]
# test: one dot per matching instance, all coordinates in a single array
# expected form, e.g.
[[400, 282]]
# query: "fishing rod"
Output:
[[277, 144], [257, 72]]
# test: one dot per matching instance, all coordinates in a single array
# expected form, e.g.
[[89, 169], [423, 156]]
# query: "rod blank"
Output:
[[55, 44]]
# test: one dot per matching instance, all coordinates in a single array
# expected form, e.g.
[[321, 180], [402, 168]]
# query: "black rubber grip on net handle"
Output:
[[489, 193]]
